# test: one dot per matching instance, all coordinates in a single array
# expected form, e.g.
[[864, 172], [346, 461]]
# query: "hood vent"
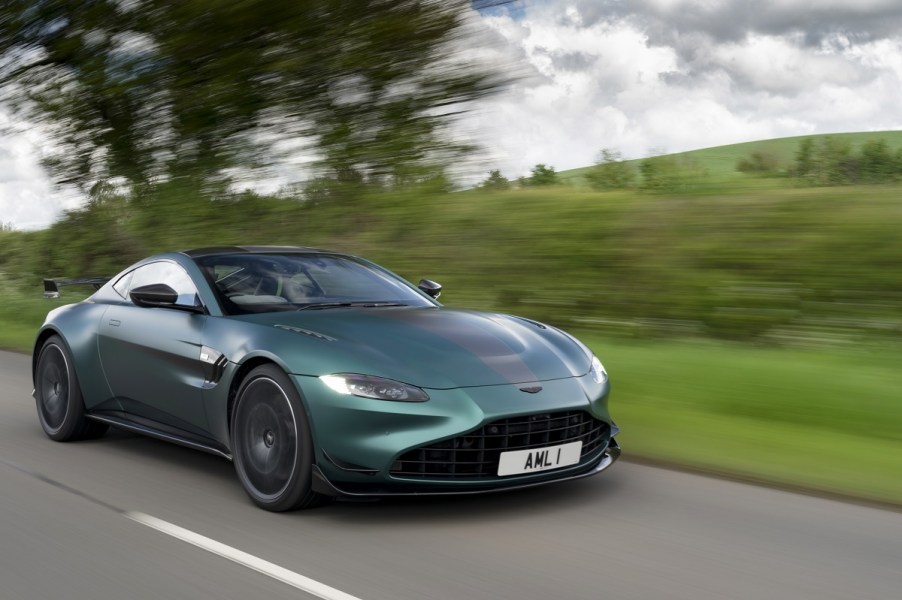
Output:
[[317, 335], [530, 321]]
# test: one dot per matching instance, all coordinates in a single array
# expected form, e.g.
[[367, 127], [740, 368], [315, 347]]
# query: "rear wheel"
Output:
[[271, 444], [61, 409]]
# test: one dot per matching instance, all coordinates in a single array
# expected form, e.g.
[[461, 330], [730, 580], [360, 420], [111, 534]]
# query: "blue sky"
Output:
[[515, 9]]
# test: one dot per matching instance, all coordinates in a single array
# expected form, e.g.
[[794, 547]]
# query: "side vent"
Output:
[[214, 365]]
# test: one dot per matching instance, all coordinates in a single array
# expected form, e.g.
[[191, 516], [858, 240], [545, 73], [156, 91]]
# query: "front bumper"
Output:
[[322, 485], [357, 440]]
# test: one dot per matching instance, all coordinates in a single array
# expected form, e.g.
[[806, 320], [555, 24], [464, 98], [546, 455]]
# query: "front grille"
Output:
[[476, 454]]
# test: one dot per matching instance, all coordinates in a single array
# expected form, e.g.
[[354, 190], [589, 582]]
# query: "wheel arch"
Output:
[[246, 366], [43, 335]]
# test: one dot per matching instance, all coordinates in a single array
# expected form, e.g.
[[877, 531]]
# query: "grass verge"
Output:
[[823, 419], [20, 318]]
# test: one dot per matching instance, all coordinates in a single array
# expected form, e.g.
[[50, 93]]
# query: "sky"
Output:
[[640, 77], [649, 76]]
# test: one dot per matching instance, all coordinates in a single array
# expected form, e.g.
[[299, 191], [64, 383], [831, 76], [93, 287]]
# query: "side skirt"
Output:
[[167, 436]]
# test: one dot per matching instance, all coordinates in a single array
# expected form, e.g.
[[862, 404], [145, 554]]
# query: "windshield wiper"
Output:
[[365, 304]]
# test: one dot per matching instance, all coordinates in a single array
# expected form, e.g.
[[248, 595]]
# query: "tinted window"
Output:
[[169, 273], [269, 282]]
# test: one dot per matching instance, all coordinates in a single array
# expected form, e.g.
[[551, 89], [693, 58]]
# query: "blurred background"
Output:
[[745, 298]]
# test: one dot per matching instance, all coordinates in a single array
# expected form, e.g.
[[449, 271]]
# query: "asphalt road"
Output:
[[633, 532]]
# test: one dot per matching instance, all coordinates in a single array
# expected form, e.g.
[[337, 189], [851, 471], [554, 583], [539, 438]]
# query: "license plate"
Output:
[[519, 462]]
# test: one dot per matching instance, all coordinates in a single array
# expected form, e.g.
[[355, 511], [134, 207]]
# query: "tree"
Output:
[[804, 165], [611, 172], [542, 175], [834, 163], [145, 91], [495, 181], [876, 164]]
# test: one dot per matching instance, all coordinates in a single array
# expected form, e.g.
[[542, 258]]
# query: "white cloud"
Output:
[[28, 200], [604, 76], [780, 65]]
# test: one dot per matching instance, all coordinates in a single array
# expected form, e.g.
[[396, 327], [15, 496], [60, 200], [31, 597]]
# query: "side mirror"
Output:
[[430, 288], [155, 294], [162, 296]]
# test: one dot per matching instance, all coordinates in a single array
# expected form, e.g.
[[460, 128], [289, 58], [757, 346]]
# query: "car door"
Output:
[[151, 356]]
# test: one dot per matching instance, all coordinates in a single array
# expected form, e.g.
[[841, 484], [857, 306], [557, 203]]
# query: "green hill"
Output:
[[720, 161]]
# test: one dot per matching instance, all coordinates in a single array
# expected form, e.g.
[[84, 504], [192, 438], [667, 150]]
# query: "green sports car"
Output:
[[321, 374]]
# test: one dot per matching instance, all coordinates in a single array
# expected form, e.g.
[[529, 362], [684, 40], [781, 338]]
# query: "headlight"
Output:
[[368, 386], [597, 371]]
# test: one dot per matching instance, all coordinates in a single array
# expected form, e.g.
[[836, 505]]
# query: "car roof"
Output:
[[220, 250]]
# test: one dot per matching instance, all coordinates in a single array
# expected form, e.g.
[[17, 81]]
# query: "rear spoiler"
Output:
[[52, 286]]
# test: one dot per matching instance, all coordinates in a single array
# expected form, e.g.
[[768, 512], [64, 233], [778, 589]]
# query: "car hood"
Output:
[[435, 348]]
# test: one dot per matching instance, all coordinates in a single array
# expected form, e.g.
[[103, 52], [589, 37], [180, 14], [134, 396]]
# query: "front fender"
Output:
[[77, 325]]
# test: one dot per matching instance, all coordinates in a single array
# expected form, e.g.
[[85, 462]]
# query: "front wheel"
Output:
[[61, 409], [271, 444]]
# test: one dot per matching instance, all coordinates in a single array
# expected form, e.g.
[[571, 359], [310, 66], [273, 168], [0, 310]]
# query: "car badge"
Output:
[[532, 389]]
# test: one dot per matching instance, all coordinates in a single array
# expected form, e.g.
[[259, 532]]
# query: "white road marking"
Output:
[[250, 561]]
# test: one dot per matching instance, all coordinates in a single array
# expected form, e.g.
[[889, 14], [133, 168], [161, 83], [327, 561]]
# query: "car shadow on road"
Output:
[[144, 448], [554, 497]]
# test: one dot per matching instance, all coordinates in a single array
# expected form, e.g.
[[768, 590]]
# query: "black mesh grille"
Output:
[[476, 453]]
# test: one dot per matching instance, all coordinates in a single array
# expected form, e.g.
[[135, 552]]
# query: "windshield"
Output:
[[253, 283]]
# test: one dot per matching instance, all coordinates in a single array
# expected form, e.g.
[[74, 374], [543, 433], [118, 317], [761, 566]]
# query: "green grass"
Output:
[[824, 419]]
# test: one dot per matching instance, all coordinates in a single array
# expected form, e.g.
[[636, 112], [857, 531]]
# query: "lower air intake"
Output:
[[476, 454]]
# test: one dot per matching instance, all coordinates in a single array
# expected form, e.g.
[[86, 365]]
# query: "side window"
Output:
[[121, 286], [172, 275]]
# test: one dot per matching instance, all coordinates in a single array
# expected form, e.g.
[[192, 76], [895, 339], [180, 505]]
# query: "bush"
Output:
[[611, 172], [541, 176], [759, 162], [670, 174], [495, 182]]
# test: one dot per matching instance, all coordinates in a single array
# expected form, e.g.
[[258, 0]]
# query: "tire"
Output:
[[271, 445], [61, 408]]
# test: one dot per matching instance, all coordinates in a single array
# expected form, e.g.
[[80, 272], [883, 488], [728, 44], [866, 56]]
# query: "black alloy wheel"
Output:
[[271, 444], [61, 409]]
